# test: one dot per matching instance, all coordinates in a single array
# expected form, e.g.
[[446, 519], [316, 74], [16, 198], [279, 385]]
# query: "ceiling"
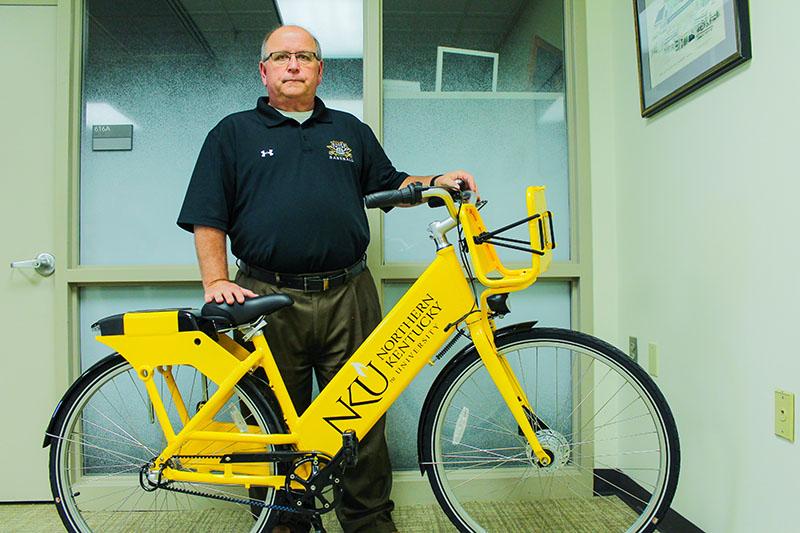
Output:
[[204, 28], [459, 23], [213, 28]]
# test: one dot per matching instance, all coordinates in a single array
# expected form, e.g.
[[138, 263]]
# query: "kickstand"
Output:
[[316, 523]]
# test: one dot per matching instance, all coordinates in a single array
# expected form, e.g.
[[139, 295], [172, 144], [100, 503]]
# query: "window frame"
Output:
[[73, 276]]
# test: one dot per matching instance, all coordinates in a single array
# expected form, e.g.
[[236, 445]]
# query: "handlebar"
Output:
[[410, 195], [415, 194]]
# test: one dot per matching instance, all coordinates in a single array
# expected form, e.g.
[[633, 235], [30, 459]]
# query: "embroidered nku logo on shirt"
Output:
[[340, 151]]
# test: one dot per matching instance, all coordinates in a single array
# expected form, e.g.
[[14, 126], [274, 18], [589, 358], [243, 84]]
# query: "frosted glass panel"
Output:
[[173, 78], [507, 142], [508, 139], [546, 301], [99, 302]]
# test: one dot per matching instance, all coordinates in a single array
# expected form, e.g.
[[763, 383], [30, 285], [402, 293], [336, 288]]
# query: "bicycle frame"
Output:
[[361, 392]]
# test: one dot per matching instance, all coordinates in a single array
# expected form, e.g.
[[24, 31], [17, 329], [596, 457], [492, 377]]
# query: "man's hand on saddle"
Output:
[[222, 290], [458, 180]]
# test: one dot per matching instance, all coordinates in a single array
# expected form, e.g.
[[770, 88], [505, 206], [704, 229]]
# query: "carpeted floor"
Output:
[[41, 518]]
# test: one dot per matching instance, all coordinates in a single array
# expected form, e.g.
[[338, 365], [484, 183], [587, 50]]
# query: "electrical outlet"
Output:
[[784, 415], [633, 348], [652, 359]]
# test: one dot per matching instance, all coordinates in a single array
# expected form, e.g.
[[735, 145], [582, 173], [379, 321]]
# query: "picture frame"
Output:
[[468, 56], [683, 45], [545, 67]]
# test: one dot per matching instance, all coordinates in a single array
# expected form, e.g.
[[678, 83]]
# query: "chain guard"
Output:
[[320, 491], [150, 486]]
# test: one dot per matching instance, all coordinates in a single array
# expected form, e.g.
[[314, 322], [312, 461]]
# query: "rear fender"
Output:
[[51, 425]]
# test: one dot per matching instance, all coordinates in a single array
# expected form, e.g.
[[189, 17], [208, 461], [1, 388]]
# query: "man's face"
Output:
[[292, 83]]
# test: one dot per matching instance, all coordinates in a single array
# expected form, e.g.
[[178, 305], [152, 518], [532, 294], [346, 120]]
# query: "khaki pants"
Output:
[[318, 334]]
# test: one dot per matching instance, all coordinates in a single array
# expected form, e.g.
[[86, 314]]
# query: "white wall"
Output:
[[695, 221]]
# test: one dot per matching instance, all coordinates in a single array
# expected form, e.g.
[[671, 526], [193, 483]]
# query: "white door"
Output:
[[27, 313]]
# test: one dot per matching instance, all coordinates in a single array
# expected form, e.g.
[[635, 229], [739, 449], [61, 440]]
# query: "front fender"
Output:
[[466, 351]]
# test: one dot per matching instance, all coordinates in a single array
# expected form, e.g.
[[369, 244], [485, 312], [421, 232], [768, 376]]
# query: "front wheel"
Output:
[[606, 426]]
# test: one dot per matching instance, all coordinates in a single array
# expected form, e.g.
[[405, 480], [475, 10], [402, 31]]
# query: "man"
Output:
[[286, 182]]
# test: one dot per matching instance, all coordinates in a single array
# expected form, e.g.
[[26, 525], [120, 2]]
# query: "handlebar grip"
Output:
[[382, 199], [410, 195]]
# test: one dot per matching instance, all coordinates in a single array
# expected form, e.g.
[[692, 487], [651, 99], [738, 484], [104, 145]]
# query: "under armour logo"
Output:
[[265, 153]]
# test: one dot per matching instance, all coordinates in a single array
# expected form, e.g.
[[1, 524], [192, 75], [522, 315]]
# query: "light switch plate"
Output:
[[784, 415], [652, 359], [633, 348]]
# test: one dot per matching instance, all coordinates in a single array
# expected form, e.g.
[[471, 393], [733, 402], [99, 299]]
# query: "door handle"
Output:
[[44, 264]]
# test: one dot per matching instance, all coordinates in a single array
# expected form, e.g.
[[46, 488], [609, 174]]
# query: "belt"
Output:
[[306, 282]]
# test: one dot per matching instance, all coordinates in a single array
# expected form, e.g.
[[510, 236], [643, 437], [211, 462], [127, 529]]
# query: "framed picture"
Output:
[[684, 44], [460, 69], [546, 67]]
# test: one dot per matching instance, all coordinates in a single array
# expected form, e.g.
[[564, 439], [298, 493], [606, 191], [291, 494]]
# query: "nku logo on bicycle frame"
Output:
[[396, 352]]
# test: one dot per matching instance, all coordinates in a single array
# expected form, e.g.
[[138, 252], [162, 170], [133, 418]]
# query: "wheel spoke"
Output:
[[97, 458], [603, 432]]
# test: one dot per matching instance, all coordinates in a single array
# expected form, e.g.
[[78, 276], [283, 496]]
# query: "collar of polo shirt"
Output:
[[273, 117]]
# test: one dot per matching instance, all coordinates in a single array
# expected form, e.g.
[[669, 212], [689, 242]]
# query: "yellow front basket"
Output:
[[484, 255]]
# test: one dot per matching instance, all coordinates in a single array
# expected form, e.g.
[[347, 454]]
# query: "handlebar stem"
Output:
[[438, 232]]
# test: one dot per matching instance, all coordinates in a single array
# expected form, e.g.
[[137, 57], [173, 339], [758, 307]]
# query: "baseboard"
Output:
[[409, 487], [613, 482]]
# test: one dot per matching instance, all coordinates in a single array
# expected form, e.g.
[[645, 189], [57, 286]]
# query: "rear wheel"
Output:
[[598, 415], [106, 431]]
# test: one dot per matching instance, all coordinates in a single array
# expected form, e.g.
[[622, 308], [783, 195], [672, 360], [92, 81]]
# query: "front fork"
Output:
[[496, 364]]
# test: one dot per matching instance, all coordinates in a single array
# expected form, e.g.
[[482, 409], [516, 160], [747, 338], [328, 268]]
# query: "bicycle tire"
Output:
[[98, 442], [605, 475]]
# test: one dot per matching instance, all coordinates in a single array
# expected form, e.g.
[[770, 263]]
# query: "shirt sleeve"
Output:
[[379, 173], [211, 192]]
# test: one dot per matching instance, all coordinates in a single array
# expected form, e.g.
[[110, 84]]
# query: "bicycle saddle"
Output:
[[250, 310]]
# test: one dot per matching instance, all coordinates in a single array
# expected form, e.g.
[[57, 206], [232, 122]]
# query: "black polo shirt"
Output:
[[290, 196]]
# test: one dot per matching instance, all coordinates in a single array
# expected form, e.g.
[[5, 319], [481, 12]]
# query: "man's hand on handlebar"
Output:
[[457, 180], [410, 191], [222, 290]]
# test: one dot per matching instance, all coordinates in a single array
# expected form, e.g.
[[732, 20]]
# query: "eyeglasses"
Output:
[[282, 57]]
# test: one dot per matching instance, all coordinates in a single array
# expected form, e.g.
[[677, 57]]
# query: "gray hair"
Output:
[[265, 54]]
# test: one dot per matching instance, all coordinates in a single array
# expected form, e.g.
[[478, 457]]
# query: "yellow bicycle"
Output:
[[524, 429]]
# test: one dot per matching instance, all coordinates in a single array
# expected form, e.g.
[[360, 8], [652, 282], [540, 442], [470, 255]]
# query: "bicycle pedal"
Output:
[[350, 447]]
